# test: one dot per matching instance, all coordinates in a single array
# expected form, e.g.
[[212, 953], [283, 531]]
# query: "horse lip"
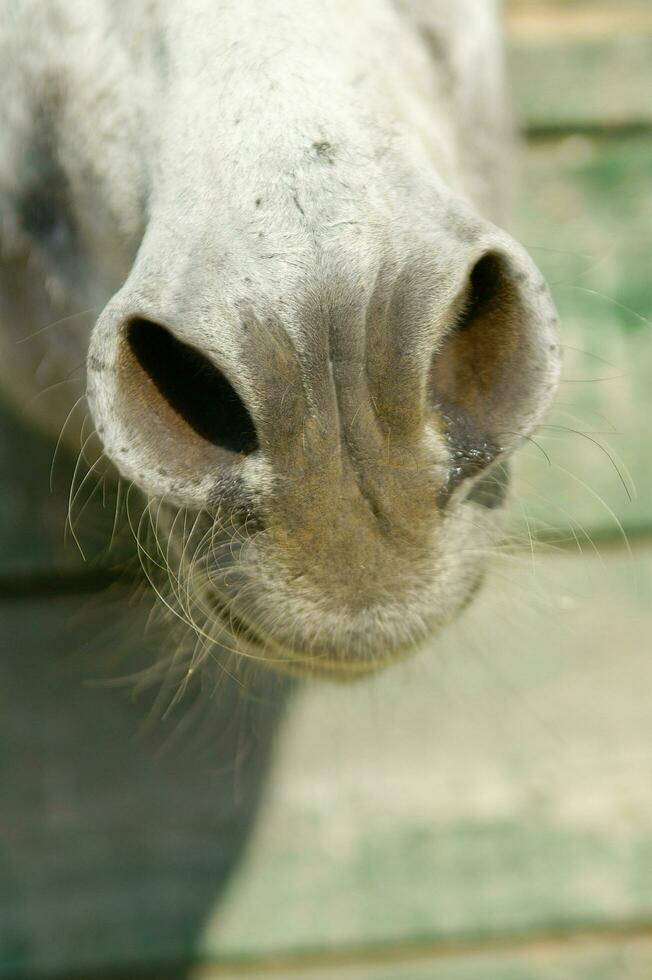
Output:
[[341, 670], [250, 644]]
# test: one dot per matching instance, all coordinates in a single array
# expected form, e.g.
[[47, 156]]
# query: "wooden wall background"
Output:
[[483, 813]]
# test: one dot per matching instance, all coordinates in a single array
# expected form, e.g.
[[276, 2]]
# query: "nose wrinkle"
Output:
[[360, 436]]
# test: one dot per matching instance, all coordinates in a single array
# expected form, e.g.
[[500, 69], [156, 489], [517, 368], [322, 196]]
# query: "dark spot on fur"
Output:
[[382, 520], [161, 53], [458, 226], [95, 364], [258, 201], [43, 217], [229, 494], [297, 203], [439, 52], [325, 150], [44, 204]]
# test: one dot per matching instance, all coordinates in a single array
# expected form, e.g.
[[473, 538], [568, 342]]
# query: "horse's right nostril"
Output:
[[195, 390]]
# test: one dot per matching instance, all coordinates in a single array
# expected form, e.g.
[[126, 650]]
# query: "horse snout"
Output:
[[352, 439]]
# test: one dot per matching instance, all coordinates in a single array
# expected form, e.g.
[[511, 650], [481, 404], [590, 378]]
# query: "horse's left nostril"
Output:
[[485, 283], [196, 391], [496, 369]]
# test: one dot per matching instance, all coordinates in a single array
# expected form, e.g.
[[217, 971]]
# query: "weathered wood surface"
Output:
[[594, 959], [586, 215], [580, 65], [118, 833], [498, 785], [43, 489], [496, 789]]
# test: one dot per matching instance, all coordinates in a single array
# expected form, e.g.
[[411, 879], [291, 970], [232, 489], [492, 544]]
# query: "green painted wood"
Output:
[[566, 84], [38, 484], [585, 213], [624, 960], [118, 832], [497, 785], [578, 65], [558, 7]]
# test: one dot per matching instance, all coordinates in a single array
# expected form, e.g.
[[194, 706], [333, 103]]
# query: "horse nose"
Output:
[[185, 411]]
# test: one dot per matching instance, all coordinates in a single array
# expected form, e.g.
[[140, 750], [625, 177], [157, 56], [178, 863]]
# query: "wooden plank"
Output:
[[496, 786], [576, 19], [116, 841], [585, 213], [594, 960], [577, 65], [562, 84], [476, 792]]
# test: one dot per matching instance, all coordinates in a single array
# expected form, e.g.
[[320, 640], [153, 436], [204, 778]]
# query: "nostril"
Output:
[[196, 391], [484, 288], [481, 368], [491, 375]]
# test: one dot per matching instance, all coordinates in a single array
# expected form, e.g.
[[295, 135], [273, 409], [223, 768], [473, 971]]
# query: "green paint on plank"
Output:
[[586, 214], [496, 785], [567, 83]]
